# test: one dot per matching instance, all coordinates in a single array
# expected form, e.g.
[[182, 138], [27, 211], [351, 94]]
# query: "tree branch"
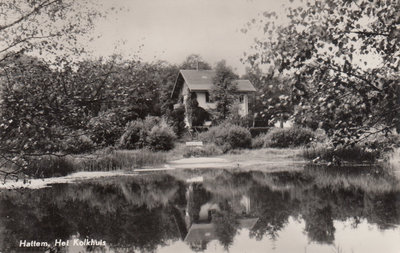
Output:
[[355, 75], [368, 33], [25, 40], [26, 16]]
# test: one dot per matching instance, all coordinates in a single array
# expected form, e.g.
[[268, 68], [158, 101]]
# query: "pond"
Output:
[[208, 210]]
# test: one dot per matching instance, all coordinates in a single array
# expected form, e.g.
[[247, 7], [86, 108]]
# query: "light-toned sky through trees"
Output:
[[172, 29]]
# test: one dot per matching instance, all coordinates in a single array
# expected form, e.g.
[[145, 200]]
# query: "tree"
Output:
[[196, 114], [343, 57], [194, 61], [272, 101], [226, 227], [39, 113], [45, 26], [224, 89]]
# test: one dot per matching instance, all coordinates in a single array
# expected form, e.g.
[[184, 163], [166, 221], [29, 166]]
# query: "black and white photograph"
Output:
[[215, 126]]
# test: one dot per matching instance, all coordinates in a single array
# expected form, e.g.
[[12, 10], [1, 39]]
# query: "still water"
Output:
[[212, 210]]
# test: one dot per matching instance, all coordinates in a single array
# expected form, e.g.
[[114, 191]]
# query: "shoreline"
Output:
[[267, 160]]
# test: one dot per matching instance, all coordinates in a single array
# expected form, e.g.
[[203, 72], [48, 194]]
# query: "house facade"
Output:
[[200, 82]]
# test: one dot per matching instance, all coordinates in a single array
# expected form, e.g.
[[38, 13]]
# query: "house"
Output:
[[199, 235], [200, 82]]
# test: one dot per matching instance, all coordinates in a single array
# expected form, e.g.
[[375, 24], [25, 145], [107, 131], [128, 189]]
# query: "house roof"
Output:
[[202, 80], [201, 232]]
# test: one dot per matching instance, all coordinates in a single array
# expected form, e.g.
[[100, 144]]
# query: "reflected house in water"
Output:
[[199, 216], [225, 209], [199, 235]]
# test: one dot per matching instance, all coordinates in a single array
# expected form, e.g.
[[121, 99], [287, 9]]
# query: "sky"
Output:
[[171, 30]]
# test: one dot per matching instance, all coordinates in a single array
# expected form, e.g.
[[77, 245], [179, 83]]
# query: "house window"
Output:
[[241, 98], [208, 98]]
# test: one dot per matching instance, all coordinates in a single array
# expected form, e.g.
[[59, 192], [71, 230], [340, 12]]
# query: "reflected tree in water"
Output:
[[146, 212], [226, 227], [319, 225]]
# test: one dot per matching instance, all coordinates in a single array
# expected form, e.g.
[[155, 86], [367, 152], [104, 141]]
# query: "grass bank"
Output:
[[394, 159], [269, 159], [354, 154], [104, 160]]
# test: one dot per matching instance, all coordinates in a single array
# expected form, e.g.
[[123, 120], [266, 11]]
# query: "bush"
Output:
[[153, 133], [227, 136], [382, 142], [161, 137], [202, 151], [349, 154], [178, 120], [285, 137], [258, 141], [78, 144], [237, 119], [106, 128], [134, 136], [200, 116], [256, 131]]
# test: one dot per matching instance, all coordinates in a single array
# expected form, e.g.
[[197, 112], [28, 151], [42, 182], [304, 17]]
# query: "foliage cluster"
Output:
[[369, 149], [105, 128], [325, 49], [284, 137], [177, 120], [272, 101], [354, 153], [196, 114], [203, 151], [256, 131], [223, 91], [152, 133], [77, 108], [235, 118], [227, 136]]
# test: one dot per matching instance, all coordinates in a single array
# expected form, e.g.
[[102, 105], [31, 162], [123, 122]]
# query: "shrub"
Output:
[[106, 128], [350, 154], [381, 141], [78, 144], [153, 133], [256, 131], [202, 151], [151, 121], [258, 141], [227, 136], [286, 137], [199, 116], [178, 120], [368, 149], [161, 137], [237, 119], [134, 136]]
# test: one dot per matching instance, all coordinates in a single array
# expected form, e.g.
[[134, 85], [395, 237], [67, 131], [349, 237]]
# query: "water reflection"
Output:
[[159, 212]]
